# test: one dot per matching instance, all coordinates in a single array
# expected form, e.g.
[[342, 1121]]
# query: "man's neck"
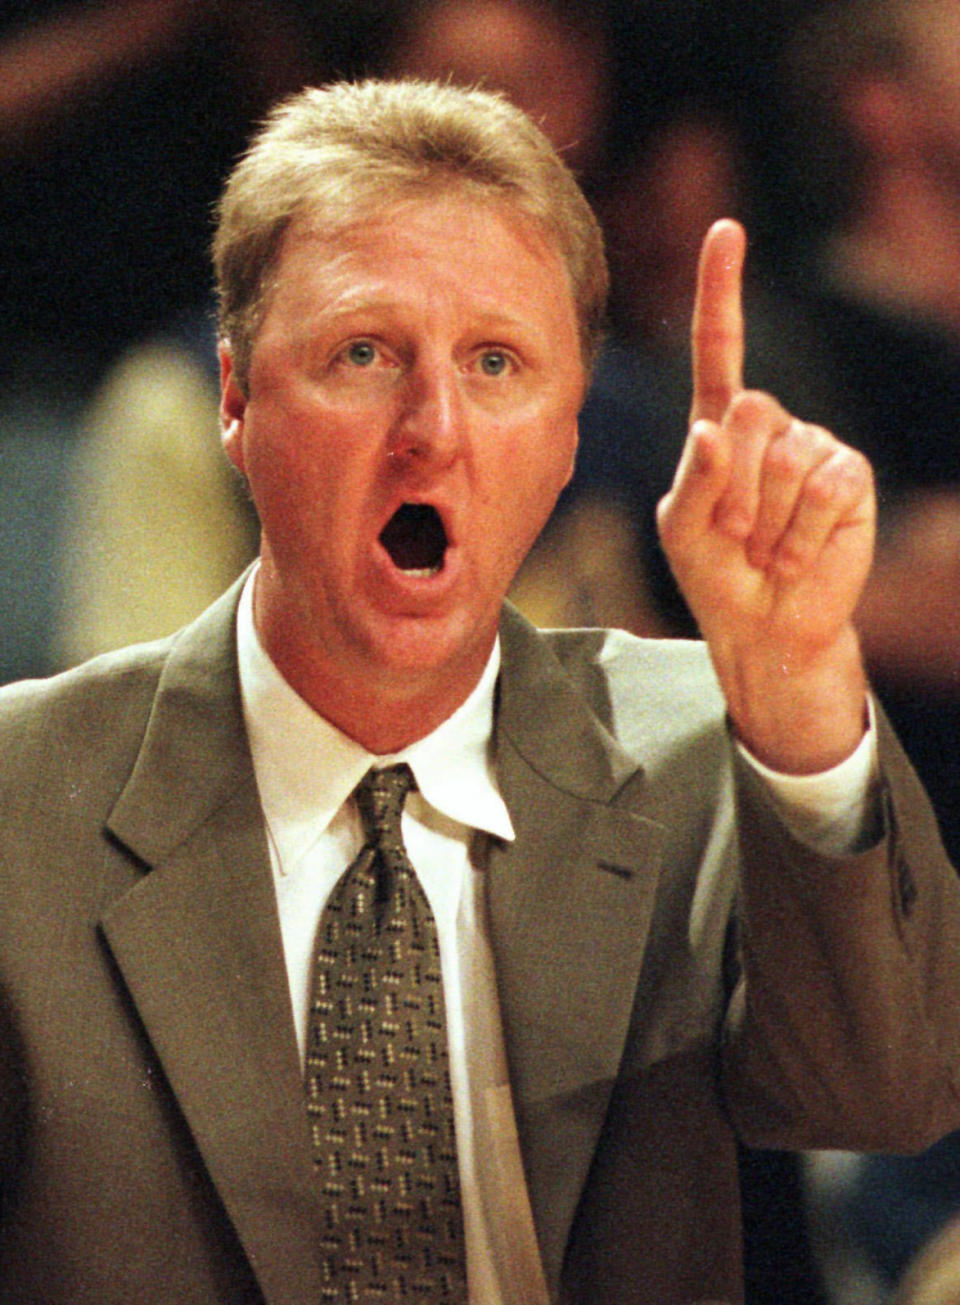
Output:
[[384, 726], [383, 711]]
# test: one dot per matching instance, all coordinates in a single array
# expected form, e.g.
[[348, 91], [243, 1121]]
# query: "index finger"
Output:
[[717, 330]]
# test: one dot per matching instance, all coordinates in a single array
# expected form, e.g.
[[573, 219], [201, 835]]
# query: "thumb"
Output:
[[686, 511]]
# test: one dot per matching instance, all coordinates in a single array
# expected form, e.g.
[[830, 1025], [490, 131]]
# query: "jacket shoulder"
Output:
[[645, 690], [71, 724]]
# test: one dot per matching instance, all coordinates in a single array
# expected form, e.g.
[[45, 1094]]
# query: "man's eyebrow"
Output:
[[331, 311], [348, 302]]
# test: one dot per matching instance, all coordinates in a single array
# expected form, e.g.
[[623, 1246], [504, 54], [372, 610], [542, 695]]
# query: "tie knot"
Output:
[[380, 797]]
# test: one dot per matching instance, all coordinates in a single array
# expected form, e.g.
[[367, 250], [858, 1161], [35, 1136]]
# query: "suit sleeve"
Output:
[[843, 1028]]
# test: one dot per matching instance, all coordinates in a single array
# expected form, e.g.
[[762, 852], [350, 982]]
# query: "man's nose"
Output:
[[431, 423]]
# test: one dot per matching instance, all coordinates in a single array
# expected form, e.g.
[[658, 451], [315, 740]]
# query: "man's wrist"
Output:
[[835, 811]]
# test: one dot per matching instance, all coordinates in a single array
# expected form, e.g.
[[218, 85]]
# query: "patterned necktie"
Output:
[[377, 1077]]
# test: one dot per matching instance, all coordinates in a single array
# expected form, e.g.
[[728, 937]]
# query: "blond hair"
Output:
[[339, 154]]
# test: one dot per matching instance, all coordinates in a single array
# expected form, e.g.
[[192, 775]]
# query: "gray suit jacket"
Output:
[[660, 985]]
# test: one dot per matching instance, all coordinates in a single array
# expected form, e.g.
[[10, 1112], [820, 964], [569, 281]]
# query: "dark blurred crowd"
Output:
[[830, 127]]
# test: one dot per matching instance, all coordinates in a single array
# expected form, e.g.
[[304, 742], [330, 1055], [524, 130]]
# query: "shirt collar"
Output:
[[306, 768]]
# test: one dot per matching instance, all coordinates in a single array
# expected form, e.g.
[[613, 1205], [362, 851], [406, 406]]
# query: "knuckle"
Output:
[[792, 556], [751, 406], [822, 491], [784, 460], [857, 466], [844, 474]]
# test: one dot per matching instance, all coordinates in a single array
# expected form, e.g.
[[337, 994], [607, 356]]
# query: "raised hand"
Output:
[[769, 529]]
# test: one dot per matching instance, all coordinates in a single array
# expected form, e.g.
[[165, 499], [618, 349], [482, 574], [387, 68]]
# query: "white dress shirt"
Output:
[[306, 770]]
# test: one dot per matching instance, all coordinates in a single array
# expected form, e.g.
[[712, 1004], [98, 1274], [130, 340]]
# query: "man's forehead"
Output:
[[443, 206], [344, 248]]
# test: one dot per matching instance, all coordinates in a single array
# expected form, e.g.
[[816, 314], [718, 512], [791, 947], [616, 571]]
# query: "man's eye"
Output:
[[361, 353], [494, 362]]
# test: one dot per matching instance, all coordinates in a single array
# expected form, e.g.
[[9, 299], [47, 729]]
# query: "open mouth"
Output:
[[415, 539]]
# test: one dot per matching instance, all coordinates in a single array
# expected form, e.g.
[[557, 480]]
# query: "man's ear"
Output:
[[233, 407], [575, 444]]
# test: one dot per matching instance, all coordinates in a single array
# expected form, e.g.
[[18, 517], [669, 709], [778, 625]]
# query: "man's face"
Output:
[[410, 419]]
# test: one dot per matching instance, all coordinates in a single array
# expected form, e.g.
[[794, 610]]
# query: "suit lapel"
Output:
[[570, 906], [197, 942]]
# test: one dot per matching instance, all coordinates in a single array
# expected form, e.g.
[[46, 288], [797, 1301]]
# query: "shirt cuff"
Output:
[[836, 811]]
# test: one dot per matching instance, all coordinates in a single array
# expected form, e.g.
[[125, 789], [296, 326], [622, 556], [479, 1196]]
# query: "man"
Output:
[[411, 289]]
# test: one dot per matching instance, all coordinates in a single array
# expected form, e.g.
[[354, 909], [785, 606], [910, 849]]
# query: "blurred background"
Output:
[[830, 127]]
